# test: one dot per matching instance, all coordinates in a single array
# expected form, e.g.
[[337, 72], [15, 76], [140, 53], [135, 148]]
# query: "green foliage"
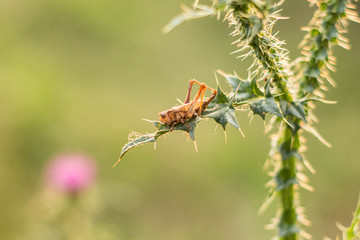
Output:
[[294, 108], [137, 139], [243, 89], [222, 110], [267, 104], [323, 33], [189, 14]]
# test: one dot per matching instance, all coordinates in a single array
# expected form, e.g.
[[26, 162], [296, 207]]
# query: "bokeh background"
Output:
[[78, 77]]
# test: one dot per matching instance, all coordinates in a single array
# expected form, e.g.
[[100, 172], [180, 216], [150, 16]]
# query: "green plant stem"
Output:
[[286, 179], [266, 49]]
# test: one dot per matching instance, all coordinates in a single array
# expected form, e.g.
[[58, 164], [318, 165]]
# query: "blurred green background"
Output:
[[79, 76]]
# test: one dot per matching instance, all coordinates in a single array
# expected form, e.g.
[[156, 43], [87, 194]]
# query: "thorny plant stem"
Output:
[[272, 58], [288, 217], [287, 222]]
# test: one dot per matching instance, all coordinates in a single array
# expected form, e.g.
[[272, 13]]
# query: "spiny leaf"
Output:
[[136, 142], [295, 109], [189, 14], [223, 115], [265, 105], [256, 24], [320, 54], [244, 89], [267, 89], [220, 97], [161, 130], [221, 110]]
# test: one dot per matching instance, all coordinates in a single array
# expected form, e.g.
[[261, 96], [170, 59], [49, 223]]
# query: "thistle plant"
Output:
[[286, 91]]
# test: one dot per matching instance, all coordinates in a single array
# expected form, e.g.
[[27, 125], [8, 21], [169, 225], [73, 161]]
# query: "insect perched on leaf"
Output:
[[188, 110], [183, 117]]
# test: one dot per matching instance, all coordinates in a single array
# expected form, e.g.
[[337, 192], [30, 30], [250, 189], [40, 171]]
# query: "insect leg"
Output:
[[192, 108], [172, 127], [206, 102], [187, 99], [211, 89], [187, 125], [201, 101], [191, 82]]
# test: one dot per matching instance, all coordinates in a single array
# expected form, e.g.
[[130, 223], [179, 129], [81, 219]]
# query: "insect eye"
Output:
[[162, 115]]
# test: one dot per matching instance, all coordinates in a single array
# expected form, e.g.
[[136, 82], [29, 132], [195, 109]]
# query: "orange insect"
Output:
[[188, 110]]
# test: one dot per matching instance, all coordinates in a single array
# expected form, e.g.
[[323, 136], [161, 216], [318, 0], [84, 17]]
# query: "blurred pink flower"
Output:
[[71, 172]]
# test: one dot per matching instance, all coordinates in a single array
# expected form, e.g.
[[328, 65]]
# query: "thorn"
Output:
[[216, 78], [251, 118], [220, 72], [309, 167], [117, 162], [266, 204], [316, 134], [195, 145], [287, 122], [329, 101], [225, 135], [241, 132], [154, 145], [306, 186], [196, 4], [147, 120], [237, 89], [305, 235], [218, 15], [265, 127]]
